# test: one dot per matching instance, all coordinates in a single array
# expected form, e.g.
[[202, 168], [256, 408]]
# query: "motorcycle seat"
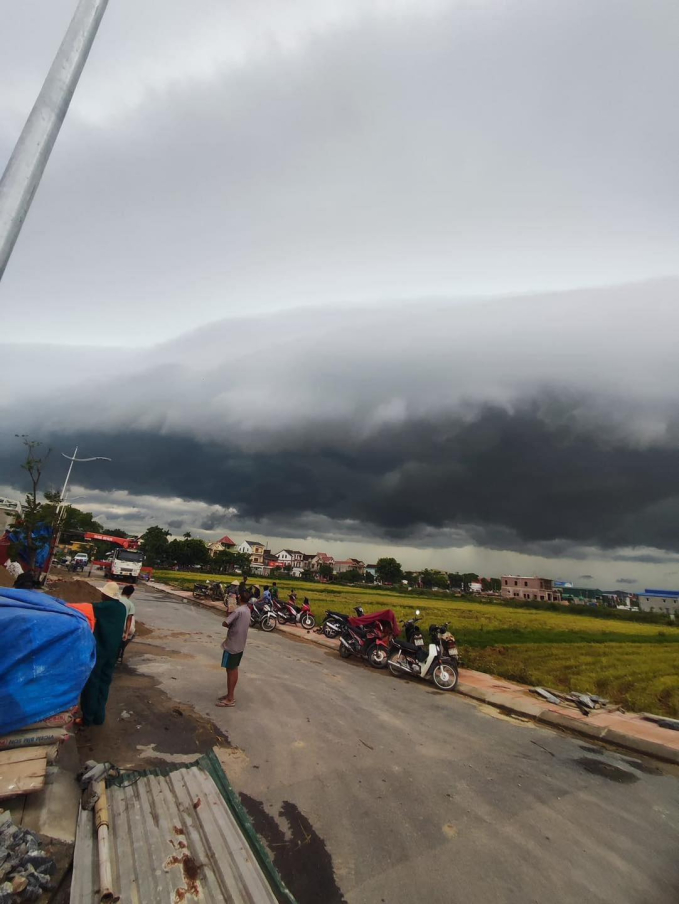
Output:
[[405, 645]]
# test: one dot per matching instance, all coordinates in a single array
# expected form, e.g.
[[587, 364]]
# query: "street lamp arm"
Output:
[[94, 458]]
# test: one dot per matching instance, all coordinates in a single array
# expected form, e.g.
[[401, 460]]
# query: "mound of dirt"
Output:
[[75, 591], [6, 579]]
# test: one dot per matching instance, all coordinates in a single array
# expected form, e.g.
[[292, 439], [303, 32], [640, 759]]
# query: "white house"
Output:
[[291, 558], [254, 549]]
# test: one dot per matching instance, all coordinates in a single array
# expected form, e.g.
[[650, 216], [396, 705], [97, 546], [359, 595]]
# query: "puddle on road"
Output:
[[606, 770], [645, 767], [300, 855]]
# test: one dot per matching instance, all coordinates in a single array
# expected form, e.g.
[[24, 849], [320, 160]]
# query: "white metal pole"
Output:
[[62, 498], [31, 153]]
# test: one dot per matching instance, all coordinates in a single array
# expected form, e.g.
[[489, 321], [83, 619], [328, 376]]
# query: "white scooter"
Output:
[[438, 663]]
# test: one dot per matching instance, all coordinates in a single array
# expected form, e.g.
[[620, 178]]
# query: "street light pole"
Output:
[[31, 153], [62, 499]]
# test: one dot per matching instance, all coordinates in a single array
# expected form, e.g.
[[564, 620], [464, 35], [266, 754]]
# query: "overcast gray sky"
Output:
[[411, 171]]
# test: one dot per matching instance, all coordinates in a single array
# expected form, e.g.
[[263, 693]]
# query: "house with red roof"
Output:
[[221, 545]]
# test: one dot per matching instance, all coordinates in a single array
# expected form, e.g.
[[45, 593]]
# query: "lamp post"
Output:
[[62, 499], [31, 153]]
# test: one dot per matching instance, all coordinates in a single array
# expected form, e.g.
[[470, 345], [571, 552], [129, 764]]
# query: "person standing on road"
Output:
[[274, 591], [238, 624], [130, 624]]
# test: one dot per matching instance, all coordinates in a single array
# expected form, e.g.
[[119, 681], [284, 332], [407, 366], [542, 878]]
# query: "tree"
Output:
[[308, 575], [352, 576], [430, 578], [411, 577], [369, 577], [155, 545], [228, 561], [325, 571], [187, 553], [389, 571], [32, 517]]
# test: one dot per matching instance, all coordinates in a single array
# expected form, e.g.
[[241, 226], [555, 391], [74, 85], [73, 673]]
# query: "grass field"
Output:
[[636, 665]]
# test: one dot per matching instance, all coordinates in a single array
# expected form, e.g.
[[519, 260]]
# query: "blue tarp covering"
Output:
[[47, 652], [42, 537]]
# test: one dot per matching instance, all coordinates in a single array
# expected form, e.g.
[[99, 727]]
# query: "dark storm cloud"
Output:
[[523, 424]]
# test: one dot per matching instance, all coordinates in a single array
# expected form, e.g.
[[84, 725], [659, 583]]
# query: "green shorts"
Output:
[[231, 660]]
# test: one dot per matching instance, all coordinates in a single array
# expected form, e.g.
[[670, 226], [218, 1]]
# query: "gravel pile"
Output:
[[25, 870]]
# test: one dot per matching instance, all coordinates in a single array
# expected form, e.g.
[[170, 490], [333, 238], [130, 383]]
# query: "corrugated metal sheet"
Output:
[[173, 840]]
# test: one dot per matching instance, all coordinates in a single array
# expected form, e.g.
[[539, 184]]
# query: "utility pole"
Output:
[[31, 153]]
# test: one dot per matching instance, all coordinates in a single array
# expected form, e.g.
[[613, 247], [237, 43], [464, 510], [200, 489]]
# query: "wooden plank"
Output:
[[21, 754], [23, 777]]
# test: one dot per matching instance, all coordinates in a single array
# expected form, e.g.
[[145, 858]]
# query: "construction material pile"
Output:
[[74, 591], [25, 869]]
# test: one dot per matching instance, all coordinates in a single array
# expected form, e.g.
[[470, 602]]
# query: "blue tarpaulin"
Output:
[[47, 652], [42, 537]]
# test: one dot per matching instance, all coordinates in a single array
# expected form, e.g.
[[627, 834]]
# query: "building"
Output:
[[9, 509], [659, 601], [291, 558], [529, 588], [271, 560], [254, 549], [319, 559], [221, 545], [348, 565]]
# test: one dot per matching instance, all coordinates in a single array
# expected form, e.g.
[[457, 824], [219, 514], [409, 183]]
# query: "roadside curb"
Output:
[[504, 696]]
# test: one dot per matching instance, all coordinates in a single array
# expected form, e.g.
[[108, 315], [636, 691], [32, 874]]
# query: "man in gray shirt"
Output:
[[238, 624]]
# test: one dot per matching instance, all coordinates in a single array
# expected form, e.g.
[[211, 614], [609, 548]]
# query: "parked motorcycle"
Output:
[[201, 591], [369, 643], [438, 662], [291, 614], [334, 622], [218, 592], [262, 615]]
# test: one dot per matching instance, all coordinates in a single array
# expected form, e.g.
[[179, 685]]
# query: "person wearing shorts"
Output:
[[238, 624]]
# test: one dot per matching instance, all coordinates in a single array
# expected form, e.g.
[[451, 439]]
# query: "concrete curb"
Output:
[[507, 702]]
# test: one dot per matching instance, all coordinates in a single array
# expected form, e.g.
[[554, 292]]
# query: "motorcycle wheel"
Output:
[[445, 676], [252, 622], [345, 652], [394, 669], [281, 618], [378, 657], [329, 632], [308, 621], [268, 623]]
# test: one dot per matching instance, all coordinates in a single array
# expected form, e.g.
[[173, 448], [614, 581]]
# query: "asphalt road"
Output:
[[377, 790]]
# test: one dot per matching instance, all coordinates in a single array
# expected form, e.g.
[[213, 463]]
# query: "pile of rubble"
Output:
[[25, 870]]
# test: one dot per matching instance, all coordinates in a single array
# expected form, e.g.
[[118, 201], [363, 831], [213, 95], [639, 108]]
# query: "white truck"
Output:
[[125, 565]]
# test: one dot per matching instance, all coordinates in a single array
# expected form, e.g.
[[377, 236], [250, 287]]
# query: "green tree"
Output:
[[411, 577], [389, 571], [369, 577], [325, 571], [308, 575], [352, 576], [154, 544], [430, 578], [188, 553]]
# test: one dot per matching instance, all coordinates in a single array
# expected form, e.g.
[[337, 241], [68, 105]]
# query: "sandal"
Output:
[[225, 703]]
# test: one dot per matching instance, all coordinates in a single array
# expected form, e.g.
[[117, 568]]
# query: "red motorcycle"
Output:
[[369, 637], [291, 614]]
